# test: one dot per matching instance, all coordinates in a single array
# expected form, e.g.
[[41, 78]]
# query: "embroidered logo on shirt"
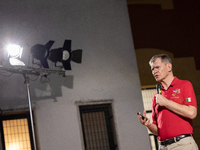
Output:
[[176, 91], [188, 99]]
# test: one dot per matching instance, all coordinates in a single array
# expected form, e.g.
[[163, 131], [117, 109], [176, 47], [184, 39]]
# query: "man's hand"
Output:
[[144, 121], [161, 100]]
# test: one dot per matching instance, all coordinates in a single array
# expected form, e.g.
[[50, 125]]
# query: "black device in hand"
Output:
[[141, 115]]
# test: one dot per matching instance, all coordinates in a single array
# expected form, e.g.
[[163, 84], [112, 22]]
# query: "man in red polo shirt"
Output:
[[173, 109]]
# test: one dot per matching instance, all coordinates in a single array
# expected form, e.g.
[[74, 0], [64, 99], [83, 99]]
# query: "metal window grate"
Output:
[[97, 125], [147, 95], [16, 134]]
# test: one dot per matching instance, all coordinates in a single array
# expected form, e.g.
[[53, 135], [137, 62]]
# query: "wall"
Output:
[[108, 70]]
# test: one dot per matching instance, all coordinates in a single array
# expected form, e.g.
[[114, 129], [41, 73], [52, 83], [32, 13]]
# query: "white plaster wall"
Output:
[[108, 70]]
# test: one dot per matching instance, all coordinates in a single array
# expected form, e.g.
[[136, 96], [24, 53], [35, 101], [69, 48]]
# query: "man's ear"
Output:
[[169, 67]]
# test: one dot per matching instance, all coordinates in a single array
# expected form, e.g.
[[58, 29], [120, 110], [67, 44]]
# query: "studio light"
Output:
[[41, 53], [65, 55], [14, 50], [14, 54]]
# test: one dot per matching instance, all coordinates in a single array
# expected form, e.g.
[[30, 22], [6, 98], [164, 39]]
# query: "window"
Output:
[[15, 132], [98, 127], [147, 95]]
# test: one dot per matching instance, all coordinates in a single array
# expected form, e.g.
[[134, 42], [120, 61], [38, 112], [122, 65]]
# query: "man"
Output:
[[173, 109]]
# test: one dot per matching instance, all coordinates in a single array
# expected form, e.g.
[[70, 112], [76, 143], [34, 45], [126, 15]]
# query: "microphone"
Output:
[[158, 87]]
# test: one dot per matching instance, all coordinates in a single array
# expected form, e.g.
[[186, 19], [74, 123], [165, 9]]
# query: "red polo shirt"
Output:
[[170, 124]]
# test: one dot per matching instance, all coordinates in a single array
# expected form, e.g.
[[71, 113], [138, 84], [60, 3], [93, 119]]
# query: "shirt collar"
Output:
[[172, 83]]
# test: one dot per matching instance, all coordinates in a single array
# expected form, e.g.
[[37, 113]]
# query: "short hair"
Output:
[[164, 59]]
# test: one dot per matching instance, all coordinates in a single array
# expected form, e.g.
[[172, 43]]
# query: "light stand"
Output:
[[25, 71], [30, 109]]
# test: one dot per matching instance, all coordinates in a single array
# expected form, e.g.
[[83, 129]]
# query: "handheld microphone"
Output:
[[158, 87]]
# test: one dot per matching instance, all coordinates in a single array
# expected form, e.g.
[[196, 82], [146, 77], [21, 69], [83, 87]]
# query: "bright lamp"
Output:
[[14, 54]]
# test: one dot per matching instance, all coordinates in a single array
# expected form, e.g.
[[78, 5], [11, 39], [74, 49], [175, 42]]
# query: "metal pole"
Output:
[[30, 109]]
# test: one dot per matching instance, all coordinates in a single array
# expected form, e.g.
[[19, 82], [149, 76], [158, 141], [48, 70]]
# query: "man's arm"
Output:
[[187, 111], [152, 127]]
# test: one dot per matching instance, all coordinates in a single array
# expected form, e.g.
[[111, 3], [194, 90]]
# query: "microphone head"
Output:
[[158, 87]]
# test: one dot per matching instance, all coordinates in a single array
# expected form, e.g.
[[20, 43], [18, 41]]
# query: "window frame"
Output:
[[149, 111], [12, 116], [98, 103]]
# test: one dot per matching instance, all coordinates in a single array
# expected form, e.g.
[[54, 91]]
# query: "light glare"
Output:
[[16, 62], [14, 50]]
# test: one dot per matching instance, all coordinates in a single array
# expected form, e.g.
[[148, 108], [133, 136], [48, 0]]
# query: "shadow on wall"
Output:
[[13, 93], [52, 88]]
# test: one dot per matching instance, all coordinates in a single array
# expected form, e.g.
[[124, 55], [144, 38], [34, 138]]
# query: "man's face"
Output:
[[160, 70]]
